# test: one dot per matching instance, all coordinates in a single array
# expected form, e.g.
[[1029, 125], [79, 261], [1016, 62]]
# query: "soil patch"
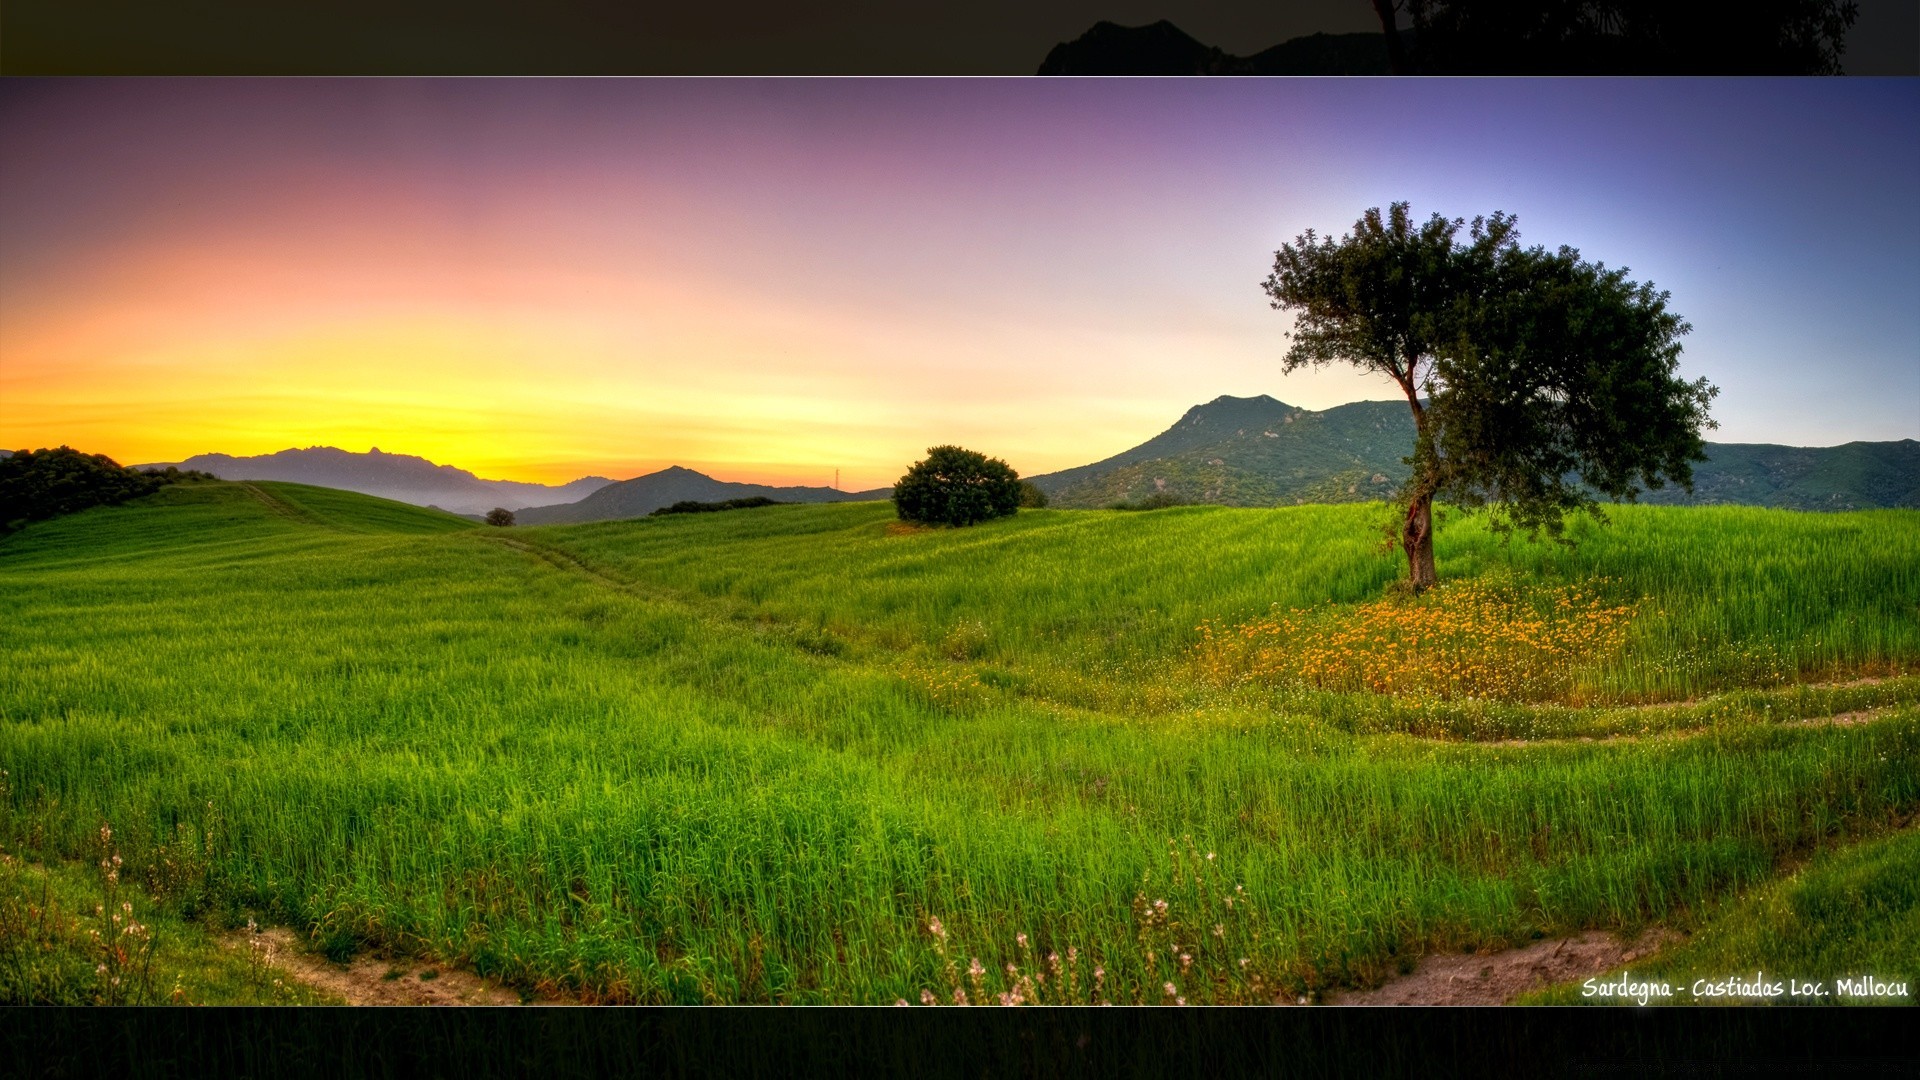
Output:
[[369, 980], [1498, 977]]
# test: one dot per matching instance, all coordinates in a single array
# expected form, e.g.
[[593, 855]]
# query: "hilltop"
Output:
[[1253, 451], [1162, 48]]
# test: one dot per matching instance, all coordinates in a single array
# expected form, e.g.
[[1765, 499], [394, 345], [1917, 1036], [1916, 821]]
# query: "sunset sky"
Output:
[[767, 280]]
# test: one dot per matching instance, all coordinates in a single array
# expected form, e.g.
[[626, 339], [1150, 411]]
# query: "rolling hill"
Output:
[[1261, 452], [796, 755], [401, 477], [642, 495]]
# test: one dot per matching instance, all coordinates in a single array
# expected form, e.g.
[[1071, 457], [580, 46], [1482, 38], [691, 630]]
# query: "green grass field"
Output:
[[754, 756]]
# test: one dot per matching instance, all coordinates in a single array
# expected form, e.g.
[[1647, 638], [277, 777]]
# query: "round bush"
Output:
[[956, 487]]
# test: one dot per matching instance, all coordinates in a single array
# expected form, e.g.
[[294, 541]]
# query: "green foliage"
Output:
[[500, 517], [1561, 386], [1535, 379], [1159, 500], [707, 763], [954, 486], [1031, 497], [690, 506], [39, 484]]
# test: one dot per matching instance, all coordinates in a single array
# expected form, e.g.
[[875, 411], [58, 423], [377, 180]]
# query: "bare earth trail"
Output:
[[371, 980], [1498, 977]]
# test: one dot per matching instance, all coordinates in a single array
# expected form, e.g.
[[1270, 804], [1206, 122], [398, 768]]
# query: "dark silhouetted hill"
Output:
[[1503, 37], [1164, 49]]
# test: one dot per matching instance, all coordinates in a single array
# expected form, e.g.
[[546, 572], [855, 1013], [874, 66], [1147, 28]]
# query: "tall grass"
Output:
[[734, 757]]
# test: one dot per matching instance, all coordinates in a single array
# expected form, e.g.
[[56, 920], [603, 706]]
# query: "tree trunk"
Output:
[[1396, 53], [1416, 533], [1416, 537]]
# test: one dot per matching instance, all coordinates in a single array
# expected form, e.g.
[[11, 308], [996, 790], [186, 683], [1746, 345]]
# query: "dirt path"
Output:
[[1499, 977], [368, 980]]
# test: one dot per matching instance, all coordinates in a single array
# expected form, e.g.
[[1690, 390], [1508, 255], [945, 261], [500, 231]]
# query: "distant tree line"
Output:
[[689, 506], [39, 484], [1615, 37]]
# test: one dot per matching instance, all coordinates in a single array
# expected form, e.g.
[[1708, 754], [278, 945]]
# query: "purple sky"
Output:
[[774, 278]]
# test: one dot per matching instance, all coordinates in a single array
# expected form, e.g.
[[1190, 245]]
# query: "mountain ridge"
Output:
[[1258, 451], [404, 478]]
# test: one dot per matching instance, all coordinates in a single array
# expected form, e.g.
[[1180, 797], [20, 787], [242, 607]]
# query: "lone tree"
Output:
[[956, 487], [499, 515], [1536, 379]]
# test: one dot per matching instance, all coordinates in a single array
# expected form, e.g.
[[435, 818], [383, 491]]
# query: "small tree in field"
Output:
[[499, 516], [1536, 379], [956, 487]]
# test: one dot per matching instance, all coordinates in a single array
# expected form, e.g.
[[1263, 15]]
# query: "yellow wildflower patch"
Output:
[[1495, 639]]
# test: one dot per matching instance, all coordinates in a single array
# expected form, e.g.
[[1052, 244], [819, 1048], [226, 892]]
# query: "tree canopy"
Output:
[[1538, 381], [46, 483], [955, 486]]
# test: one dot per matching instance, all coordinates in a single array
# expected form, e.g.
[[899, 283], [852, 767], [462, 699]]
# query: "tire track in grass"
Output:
[[284, 509], [568, 562]]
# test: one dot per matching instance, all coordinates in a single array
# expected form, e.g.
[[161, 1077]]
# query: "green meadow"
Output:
[[804, 754]]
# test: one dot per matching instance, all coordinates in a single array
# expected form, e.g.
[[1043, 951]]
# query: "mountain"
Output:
[[1261, 452], [1252, 452], [401, 477], [1853, 476], [642, 495], [1164, 49]]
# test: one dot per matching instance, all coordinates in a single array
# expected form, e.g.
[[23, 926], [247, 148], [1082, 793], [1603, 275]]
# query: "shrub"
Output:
[[690, 506], [499, 516], [1159, 500], [956, 487], [1031, 497]]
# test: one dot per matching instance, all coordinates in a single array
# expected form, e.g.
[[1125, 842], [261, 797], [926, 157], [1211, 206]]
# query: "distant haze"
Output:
[[391, 476], [767, 280]]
